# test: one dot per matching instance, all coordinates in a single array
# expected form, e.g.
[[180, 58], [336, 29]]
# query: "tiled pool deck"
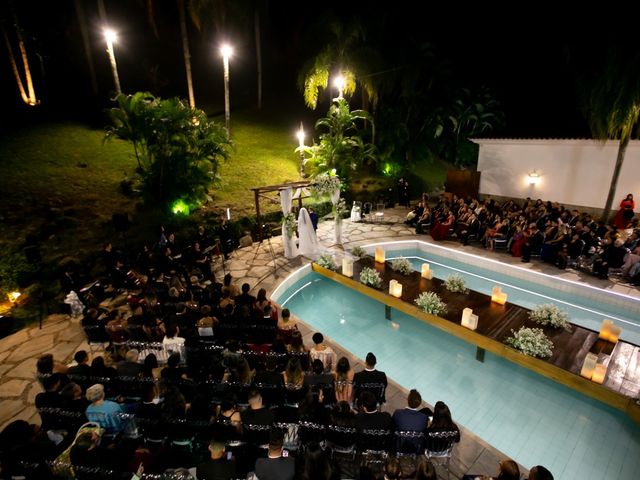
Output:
[[255, 265]]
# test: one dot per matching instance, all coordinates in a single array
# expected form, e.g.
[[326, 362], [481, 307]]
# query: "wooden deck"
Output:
[[622, 382]]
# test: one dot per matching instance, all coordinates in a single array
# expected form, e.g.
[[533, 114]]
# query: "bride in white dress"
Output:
[[307, 241]]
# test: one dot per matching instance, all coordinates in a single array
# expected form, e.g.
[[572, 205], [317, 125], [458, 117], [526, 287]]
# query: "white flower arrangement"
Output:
[[430, 302], [326, 184], [531, 341], [402, 265], [358, 252], [455, 283], [341, 208], [326, 261], [370, 277], [289, 221], [550, 314]]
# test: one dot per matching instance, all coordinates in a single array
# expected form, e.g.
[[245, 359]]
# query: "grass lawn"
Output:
[[60, 184], [263, 155]]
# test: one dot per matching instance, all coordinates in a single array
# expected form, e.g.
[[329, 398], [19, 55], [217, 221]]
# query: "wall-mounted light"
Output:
[[533, 178]]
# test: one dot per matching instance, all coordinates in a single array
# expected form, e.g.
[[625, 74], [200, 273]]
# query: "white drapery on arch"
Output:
[[290, 249], [308, 241]]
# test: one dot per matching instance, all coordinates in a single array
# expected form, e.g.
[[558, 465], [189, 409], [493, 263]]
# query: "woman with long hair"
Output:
[[625, 214], [317, 465], [344, 380]]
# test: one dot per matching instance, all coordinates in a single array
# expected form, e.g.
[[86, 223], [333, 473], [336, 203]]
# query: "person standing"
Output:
[[626, 213], [403, 192]]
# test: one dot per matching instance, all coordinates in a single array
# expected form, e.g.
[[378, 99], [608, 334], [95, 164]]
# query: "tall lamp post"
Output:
[[226, 52], [110, 36], [338, 82], [300, 135]]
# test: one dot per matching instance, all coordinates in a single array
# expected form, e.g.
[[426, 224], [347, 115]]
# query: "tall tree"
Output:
[[345, 51], [185, 52], [28, 96], [611, 101], [84, 31]]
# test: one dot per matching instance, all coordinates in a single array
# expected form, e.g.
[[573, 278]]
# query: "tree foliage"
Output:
[[178, 149], [342, 146], [344, 51]]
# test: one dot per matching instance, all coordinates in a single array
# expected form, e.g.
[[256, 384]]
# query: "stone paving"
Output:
[[263, 266]]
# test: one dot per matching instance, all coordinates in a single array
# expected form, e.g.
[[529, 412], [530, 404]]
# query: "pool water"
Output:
[[528, 417]]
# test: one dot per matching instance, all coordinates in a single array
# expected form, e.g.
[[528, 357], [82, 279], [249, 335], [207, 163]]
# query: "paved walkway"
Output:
[[62, 335]]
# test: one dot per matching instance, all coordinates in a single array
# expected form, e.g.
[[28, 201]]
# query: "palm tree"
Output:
[[345, 52], [611, 99]]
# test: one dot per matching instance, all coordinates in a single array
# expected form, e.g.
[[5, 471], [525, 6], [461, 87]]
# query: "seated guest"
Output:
[[245, 298], [173, 343], [323, 352], [129, 367], [507, 470], [218, 467], [276, 466], [87, 453], [47, 366], [256, 414], [74, 401], [94, 327], [540, 473], [410, 419], [533, 244], [173, 372], [100, 370], [441, 423], [294, 380], [81, 370], [104, 412], [318, 465], [296, 348], [370, 379], [286, 326], [318, 376], [441, 228], [370, 418], [228, 286], [425, 470], [343, 381], [50, 398]]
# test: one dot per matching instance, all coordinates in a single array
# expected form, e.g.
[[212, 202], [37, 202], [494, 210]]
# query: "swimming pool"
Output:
[[530, 418]]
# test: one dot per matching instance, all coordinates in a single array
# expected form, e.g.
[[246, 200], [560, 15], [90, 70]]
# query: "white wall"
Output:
[[573, 172]]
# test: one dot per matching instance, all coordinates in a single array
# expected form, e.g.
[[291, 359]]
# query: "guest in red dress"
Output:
[[626, 213], [440, 230]]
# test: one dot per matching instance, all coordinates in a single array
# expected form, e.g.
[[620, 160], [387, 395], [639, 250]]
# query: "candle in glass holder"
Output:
[[498, 296], [347, 267], [599, 373], [380, 255], [469, 320], [589, 365], [426, 271], [395, 288]]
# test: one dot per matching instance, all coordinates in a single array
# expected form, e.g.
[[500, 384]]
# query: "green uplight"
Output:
[[180, 207], [387, 169]]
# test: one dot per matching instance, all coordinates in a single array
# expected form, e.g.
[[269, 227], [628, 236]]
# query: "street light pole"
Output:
[[110, 36], [226, 52], [300, 135]]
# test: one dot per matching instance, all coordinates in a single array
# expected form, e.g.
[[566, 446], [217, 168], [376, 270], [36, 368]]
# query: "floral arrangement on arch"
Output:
[[289, 221], [326, 184], [531, 341], [326, 261], [358, 252], [455, 283], [341, 208], [401, 265], [430, 302], [550, 314], [370, 277]]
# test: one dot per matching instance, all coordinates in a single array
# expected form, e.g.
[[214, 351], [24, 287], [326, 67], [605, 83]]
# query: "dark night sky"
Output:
[[521, 54]]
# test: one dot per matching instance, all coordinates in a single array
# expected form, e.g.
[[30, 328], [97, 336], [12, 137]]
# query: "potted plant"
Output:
[[430, 302], [370, 277], [401, 265], [531, 341], [455, 283], [550, 314]]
